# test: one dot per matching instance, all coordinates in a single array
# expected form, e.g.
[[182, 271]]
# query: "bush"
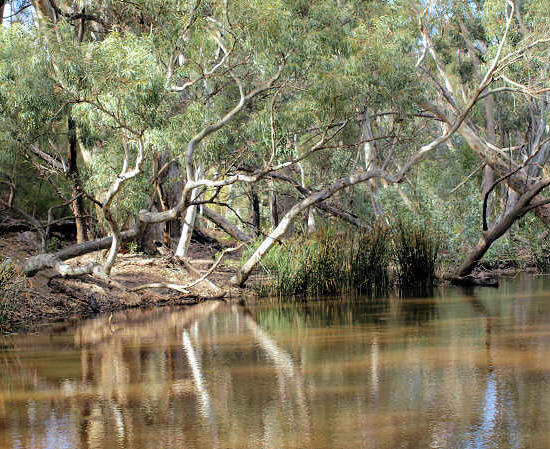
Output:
[[133, 247], [541, 253], [53, 244]]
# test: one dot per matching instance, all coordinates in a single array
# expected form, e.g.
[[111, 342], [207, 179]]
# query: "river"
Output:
[[459, 369]]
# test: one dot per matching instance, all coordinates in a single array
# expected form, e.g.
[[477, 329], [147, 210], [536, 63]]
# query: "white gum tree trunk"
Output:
[[188, 222]]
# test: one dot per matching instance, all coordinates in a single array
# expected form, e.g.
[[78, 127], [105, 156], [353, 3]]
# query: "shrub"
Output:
[[53, 244], [133, 247]]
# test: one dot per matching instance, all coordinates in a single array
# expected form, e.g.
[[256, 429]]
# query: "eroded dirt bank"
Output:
[[45, 298]]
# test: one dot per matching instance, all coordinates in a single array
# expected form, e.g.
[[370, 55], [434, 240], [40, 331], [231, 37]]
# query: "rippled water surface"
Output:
[[463, 369]]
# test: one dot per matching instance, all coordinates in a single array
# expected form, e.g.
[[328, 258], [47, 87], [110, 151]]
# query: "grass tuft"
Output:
[[416, 255], [12, 283]]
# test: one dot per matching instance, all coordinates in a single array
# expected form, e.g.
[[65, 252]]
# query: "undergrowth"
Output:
[[330, 261], [415, 252]]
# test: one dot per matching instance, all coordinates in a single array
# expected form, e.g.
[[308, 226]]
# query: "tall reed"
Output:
[[330, 261], [415, 253], [11, 285]]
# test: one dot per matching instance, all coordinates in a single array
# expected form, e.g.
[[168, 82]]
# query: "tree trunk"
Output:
[[225, 225], [188, 223], [370, 153], [488, 180], [273, 212], [43, 261], [2, 4], [77, 205], [244, 273], [498, 229], [310, 221], [254, 212]]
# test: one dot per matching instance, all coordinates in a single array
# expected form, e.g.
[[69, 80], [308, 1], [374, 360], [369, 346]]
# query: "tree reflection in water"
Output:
[[454, 371]]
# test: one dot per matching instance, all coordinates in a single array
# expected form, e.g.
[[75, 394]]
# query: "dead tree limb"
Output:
[[44, 261], [226, 225]]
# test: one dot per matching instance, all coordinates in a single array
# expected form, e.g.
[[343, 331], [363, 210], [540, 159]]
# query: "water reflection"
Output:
[[464, 369]]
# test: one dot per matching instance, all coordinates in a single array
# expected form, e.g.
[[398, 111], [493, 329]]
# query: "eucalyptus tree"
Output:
[[301, 94], [185, 79], [508, 129]]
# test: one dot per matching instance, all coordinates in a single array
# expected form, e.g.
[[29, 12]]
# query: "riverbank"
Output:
[[46, 298]]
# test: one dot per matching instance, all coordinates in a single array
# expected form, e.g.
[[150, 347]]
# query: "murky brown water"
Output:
[[455, 371]]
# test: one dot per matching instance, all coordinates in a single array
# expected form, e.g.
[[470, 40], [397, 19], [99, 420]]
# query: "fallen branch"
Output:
[[44, 261], [183, 288], [169, 285], [475, 281]]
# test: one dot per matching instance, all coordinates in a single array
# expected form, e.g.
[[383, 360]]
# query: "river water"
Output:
[[461, 369]]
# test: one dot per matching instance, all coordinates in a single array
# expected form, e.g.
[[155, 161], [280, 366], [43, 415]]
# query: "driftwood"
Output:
[[475, 281]]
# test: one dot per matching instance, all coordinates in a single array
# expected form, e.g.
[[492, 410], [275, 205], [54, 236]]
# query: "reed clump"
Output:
[[416, 252], [350, 260], [328, 262], [12, 283]]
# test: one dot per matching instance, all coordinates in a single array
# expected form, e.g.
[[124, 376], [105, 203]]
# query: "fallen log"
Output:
[[475, 281], [205, 239], [226, 225], [44, 261], [63, 226]]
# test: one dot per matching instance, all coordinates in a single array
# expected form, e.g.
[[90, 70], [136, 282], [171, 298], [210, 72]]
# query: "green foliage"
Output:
[[53, 244], [133, 247], [341, 64]]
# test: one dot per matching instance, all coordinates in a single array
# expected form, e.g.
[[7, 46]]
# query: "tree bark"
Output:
[[2, 4], [188, 222], [310, 221], [273, 206], [522, 206], [254, 210]]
